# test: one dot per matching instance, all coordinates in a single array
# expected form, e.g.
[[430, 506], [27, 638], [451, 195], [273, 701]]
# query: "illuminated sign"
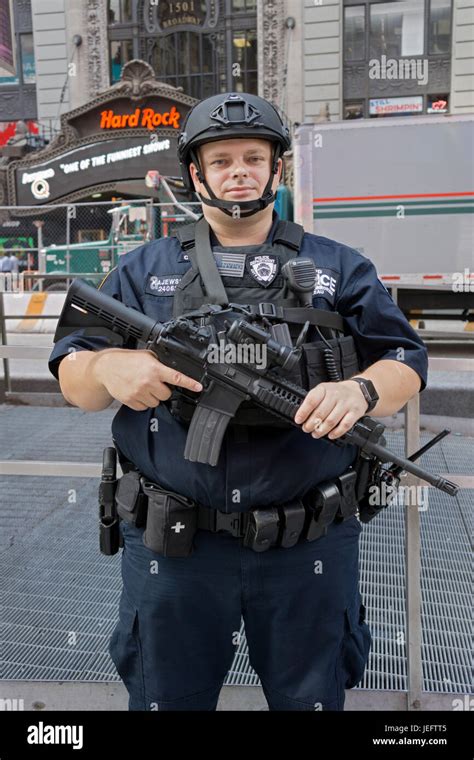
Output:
[[103, 162], [143, 118], [171, 15], [395, 106], [438, 105]]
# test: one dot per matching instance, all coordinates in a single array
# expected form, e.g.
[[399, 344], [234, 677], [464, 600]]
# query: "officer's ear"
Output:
[[278, 176], [194, 171]]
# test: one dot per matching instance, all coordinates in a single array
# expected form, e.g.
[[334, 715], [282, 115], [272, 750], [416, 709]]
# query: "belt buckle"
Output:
[[267, 309], [230, 522]]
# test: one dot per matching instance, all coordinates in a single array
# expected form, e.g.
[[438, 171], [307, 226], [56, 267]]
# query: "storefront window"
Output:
[[238, 6], [126, 11], [187, 60], [396, 28], [120, 11], [404, 106], [182, 52], [245, 60], [114, 11], [438, 103], [440, 26], [120, 53], [354, 33], [353, 110], [8, 70], [27, 59]]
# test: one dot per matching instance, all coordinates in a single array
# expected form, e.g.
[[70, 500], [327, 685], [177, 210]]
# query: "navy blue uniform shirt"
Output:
[[257, 466]]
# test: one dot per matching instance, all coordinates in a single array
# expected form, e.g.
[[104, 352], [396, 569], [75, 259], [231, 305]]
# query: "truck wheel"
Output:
[[57, 285]]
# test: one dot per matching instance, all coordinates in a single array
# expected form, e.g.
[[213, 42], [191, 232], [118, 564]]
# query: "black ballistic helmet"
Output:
[[226, 116]]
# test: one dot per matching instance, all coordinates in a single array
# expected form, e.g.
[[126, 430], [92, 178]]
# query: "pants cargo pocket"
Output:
[[125, 651], [355, 646]]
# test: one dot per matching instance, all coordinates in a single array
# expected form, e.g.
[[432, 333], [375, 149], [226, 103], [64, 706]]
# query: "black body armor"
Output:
[[251, 276]]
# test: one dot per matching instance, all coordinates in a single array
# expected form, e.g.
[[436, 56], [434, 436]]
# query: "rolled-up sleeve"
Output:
[[380, 330], [77, 341]]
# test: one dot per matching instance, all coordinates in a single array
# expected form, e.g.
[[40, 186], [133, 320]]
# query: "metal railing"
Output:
[[36, 352]]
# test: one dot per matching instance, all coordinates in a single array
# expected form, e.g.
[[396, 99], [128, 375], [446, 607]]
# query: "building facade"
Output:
[[367, 59], [201, 46], [314, 59]]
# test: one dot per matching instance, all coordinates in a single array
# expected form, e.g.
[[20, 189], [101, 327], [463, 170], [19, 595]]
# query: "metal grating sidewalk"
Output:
[[59, 596]]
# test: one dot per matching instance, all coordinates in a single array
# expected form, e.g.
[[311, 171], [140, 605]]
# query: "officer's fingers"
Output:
[[162, 391], [137, 406], [333, 419], [172, 376], [140, 400], [320, 413], [311, 401], [345, 424]]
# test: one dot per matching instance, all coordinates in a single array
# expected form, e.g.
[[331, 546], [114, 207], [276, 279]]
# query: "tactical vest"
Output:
[[251, 276]]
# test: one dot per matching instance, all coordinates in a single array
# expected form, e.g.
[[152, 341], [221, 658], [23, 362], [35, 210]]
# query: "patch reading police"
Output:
[[230, 264], [263, 268], [162, 285], [326, 284]]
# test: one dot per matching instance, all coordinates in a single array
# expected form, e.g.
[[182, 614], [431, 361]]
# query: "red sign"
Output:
[[145, 118], [8, 129]]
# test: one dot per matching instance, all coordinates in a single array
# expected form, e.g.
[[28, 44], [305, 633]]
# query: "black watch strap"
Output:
[[368, 389]]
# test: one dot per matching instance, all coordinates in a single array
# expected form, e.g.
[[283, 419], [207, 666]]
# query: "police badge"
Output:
[[263, 268]]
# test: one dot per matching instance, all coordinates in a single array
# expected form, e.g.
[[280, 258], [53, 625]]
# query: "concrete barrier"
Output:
[[32, 305]]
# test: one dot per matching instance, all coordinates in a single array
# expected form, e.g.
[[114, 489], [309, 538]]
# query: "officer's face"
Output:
[[236, 170]]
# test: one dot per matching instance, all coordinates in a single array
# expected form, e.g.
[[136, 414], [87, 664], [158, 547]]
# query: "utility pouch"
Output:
[[171, 522], [327, 501], [130, 502]]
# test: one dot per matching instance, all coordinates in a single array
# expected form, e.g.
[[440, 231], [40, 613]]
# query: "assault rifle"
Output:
[[185, 344]]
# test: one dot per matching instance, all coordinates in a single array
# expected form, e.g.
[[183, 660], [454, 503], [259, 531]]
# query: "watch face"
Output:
[[369, 392]]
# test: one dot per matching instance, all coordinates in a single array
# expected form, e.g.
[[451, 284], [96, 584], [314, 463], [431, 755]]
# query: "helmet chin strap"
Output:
[[246, 208]]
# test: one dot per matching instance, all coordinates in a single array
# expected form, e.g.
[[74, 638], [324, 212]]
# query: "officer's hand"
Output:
[[137, 379], [331, 408]]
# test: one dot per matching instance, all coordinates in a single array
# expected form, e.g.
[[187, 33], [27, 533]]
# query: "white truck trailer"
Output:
[[401, 191]]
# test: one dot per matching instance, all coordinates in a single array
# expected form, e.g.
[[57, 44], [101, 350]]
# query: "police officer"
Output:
[[180, 617]]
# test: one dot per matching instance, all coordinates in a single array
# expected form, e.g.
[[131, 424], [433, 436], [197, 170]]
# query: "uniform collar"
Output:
[[271, 233]]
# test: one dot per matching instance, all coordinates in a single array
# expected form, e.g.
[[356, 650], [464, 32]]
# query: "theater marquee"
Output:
[[131, 128], [92, 165]]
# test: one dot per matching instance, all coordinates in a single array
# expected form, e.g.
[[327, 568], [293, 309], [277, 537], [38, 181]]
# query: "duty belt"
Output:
[[171, 519]]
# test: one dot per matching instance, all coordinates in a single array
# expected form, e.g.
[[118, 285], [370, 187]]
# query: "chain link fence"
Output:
[[78, 239]]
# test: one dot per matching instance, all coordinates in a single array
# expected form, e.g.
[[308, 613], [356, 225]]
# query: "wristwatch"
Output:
[[368, 389]]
